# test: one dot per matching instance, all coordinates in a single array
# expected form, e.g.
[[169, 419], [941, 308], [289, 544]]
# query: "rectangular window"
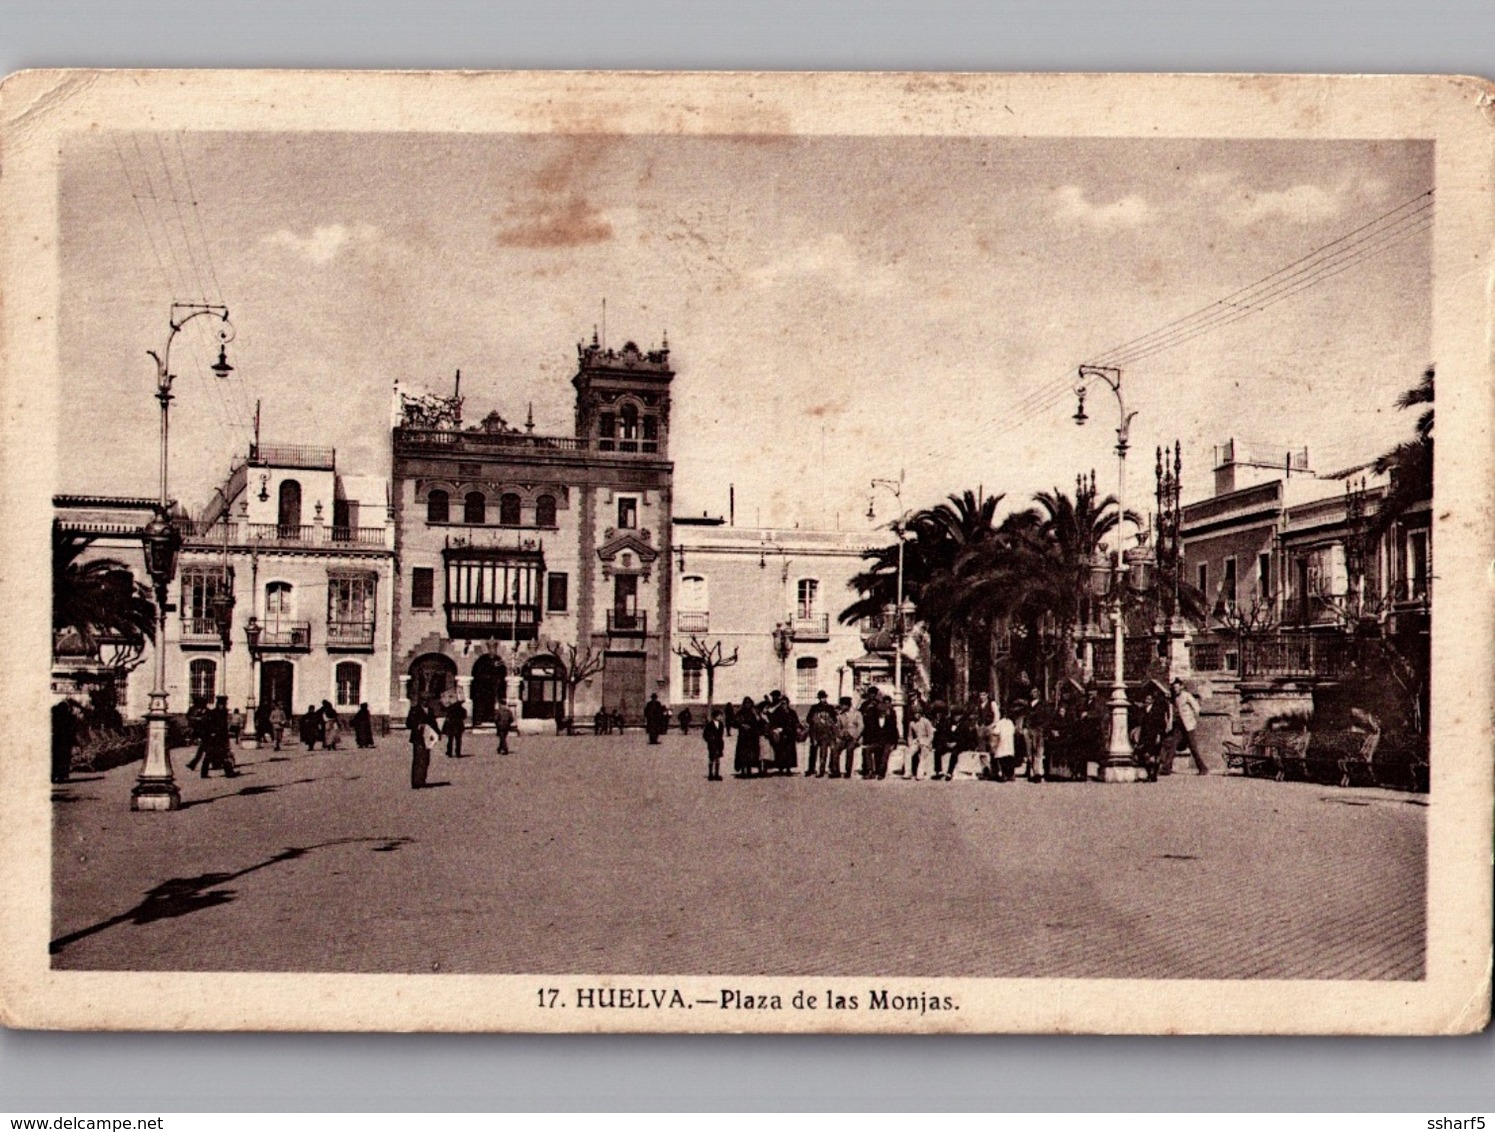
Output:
[[627, 513], [422, 587], [1417, 564], [349, 684], [555, 592], [350, 598], [1227, 585], [1204, 583], [201, 586], [607, 426], [806, 679], [809, 599], [1264, 576], [690, 677]]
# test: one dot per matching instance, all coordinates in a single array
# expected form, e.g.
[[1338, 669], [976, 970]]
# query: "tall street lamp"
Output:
[[1119, 764], [783, 645], [155, 787], [895, 488]]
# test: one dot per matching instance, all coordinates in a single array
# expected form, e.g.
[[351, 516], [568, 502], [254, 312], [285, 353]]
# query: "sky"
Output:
[[837, 308]]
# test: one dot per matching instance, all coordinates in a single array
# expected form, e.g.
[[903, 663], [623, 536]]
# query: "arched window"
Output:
[[202, 680], [349, 683], [438, 507], [280, 605], [288, 516], [474, 508], [545, 511], [628, 428], [508, 509]]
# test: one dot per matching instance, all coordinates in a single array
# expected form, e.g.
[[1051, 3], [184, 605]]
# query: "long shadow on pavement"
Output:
[[181, 896]]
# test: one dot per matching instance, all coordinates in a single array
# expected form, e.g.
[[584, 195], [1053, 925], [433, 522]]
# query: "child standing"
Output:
[[715, 733]]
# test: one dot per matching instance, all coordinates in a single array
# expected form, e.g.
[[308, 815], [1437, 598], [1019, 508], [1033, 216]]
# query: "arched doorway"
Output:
[[278, 684], [289, 509], [488, 679], [544, 691], [431, 676]]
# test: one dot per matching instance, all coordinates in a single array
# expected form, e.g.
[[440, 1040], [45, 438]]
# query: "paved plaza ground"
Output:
[[606, 854]]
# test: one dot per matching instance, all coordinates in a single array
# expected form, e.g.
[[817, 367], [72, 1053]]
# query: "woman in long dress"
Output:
[[363, 726], [748, 756]]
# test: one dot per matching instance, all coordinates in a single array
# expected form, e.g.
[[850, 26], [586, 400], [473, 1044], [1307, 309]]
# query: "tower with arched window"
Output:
[[516, 546]]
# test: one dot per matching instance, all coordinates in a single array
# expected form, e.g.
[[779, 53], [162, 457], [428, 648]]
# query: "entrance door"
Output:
[[488, 679], [278, 684], [623, 685], [430, 677]]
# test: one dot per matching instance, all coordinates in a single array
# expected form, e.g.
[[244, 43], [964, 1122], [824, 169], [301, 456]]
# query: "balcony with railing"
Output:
[[279, 536], [285, 636], [200, 632], [627, 623], [488, 621], [1320, 656], [293, 456], [692, 621], [350, 636], [451, 441], [816, 627]]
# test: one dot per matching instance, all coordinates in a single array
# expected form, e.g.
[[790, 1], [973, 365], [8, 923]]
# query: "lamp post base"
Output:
[[1122, 772], [155, 795]]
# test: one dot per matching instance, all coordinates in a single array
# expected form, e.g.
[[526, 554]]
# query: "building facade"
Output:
[[770, 599], [288, 544], [527, 560]]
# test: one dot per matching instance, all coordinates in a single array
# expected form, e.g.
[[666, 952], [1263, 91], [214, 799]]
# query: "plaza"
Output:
[[588, 854]]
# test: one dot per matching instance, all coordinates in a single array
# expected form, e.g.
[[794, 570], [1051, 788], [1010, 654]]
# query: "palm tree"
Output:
[[99, 601], [1410, 463], [935, 540]]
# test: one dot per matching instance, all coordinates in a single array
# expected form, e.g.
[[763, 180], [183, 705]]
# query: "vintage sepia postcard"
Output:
[[747, 552]]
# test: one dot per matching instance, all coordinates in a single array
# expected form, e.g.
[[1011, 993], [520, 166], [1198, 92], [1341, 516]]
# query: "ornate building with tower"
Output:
[[535, 569]]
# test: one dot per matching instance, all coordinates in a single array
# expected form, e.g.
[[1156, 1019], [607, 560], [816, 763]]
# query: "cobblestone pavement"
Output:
[[606, 854]]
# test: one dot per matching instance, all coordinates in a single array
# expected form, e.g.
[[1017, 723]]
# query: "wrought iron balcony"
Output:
[[285, 636], [816, 627], [350, 636], [200, 632], [692, 621], [486, 621], [627, 623], [1322, 656]]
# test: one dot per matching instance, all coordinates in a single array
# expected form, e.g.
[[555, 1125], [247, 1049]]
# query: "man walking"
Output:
[[418, 721], [1186, 720], [454, 725], [656, 718], [503, 721]]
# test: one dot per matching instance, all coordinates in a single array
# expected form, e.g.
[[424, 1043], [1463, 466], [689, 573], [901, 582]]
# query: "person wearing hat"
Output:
[[821, 720], [1186, 720], [848, 738]]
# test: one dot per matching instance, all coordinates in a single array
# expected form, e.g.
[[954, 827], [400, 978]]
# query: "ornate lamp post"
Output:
[[1119, 765], [783, 645], [156, 788], [895, 488], [252, 631]]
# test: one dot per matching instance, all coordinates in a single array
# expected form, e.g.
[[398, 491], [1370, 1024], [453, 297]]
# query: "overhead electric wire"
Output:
[[1419, 203], [1368, 240]]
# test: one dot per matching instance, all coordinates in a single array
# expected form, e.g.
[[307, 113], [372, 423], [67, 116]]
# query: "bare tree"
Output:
[[577, 663], [710, 657]]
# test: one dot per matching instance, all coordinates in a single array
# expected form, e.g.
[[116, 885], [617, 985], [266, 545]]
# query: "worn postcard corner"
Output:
[[880, 553]]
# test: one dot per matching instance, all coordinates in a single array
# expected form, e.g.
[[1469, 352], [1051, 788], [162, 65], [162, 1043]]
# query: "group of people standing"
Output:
[[978, 739]]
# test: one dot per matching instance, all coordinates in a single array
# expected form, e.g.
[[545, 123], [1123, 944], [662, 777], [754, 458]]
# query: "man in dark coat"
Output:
[[216, 752], [416, 722], [715, 734], [821, 720], [452, 727], [503, 723], [656, 718], [64, 739], [311, 727]]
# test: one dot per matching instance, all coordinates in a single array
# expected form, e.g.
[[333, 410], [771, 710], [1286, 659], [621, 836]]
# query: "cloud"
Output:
[[325, 243], [1128, 212], [1300, 204], [831, 261]]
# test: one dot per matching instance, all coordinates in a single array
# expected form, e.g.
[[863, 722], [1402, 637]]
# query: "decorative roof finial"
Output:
[[529, 420]]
